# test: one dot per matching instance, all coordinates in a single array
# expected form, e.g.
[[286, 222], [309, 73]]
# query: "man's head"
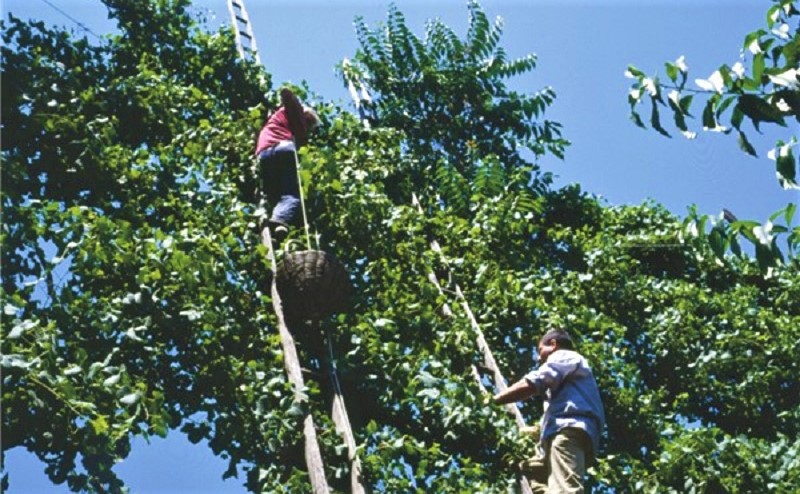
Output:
[[311, 118], [553, 339]]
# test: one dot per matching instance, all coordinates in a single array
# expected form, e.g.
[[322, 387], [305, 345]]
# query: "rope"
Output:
[[303, 202], [337, 387], [342, 421], [76, 21]]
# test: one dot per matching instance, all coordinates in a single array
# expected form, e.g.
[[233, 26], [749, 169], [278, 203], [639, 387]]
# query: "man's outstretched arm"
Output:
[[518, 391]]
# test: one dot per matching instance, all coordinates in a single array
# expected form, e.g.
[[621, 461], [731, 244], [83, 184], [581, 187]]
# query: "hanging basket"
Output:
[[313, 284]]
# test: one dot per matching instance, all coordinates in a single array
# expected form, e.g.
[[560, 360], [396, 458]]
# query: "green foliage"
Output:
[[722, 235], [130, 277], [708, 460], [449, 98], [768, 91], [134, 288]]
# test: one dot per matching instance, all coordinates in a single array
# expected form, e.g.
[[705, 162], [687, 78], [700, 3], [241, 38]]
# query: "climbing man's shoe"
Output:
[[279, 233]]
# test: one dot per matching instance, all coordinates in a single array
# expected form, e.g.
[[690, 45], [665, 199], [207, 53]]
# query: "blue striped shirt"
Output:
[[572, 398]]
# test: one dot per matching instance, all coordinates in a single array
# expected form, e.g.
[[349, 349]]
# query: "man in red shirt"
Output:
[[285, 132]]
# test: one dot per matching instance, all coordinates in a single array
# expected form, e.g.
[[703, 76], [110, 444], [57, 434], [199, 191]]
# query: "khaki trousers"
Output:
[[567, 454]]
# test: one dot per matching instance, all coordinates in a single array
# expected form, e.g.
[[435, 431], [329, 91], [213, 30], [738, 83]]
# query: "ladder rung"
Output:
[[241, 19], [246, 35]]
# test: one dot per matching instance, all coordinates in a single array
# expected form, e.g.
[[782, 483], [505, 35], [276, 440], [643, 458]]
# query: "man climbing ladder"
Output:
[[574, 417], [284, 133]]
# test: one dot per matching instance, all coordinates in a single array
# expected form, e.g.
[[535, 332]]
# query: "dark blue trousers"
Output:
[[278, 166]]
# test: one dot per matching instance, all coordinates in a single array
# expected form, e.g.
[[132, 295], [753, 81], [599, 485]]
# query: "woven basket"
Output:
[[313, 284]]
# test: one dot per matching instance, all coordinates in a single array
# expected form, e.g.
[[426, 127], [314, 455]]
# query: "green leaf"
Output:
[[758, 110], [736, 249], [672, 71], [745, 145], [112, 380], [716, 241], [655, 120], [777, 214], [636, 72], [786, 168], [790, 210], [758, 68], [736, 117], [430, 393], [749, 84], [637, 119], [745, 228], [130, 399], [678, 114], [99, 425], [765, 257], [726, 102], [709, 121], [20, 328], [680, 121], [748, 40], [772, 14], [686, 103]]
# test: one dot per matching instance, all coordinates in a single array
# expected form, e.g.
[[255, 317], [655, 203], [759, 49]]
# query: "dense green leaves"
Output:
[[449, 98], [134, 289], [132, 275]]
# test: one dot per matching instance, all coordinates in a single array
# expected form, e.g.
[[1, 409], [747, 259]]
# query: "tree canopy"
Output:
[[134, 283]]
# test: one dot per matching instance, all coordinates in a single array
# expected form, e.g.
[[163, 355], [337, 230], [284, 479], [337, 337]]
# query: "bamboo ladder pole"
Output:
[[342, 423], [316, 468], [488, 357], [339, 414], [489, 361]]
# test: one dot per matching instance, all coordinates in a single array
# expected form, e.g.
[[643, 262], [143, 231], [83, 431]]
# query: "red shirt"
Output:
[[274, 131]]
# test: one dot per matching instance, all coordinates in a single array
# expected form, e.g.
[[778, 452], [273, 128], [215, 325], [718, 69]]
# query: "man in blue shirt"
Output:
[[573, 412]]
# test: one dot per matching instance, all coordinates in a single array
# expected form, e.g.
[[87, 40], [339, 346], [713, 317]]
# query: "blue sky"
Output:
[[583, 49]]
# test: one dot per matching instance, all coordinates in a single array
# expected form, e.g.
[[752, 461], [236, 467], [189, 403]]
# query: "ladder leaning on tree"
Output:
[[246, 46], [243, 32]]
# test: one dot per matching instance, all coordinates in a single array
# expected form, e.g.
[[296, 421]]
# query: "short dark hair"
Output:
[[563, 339]]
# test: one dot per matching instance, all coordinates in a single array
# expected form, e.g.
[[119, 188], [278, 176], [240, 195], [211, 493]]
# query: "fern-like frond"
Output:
[[478, 33], [452, 186], [490, 177], [517, 66]]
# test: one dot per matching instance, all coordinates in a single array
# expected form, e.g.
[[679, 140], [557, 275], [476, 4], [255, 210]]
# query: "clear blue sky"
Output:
[[583, 49]]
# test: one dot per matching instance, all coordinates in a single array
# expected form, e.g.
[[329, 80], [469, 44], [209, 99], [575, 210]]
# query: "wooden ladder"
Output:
[[243, 32]]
